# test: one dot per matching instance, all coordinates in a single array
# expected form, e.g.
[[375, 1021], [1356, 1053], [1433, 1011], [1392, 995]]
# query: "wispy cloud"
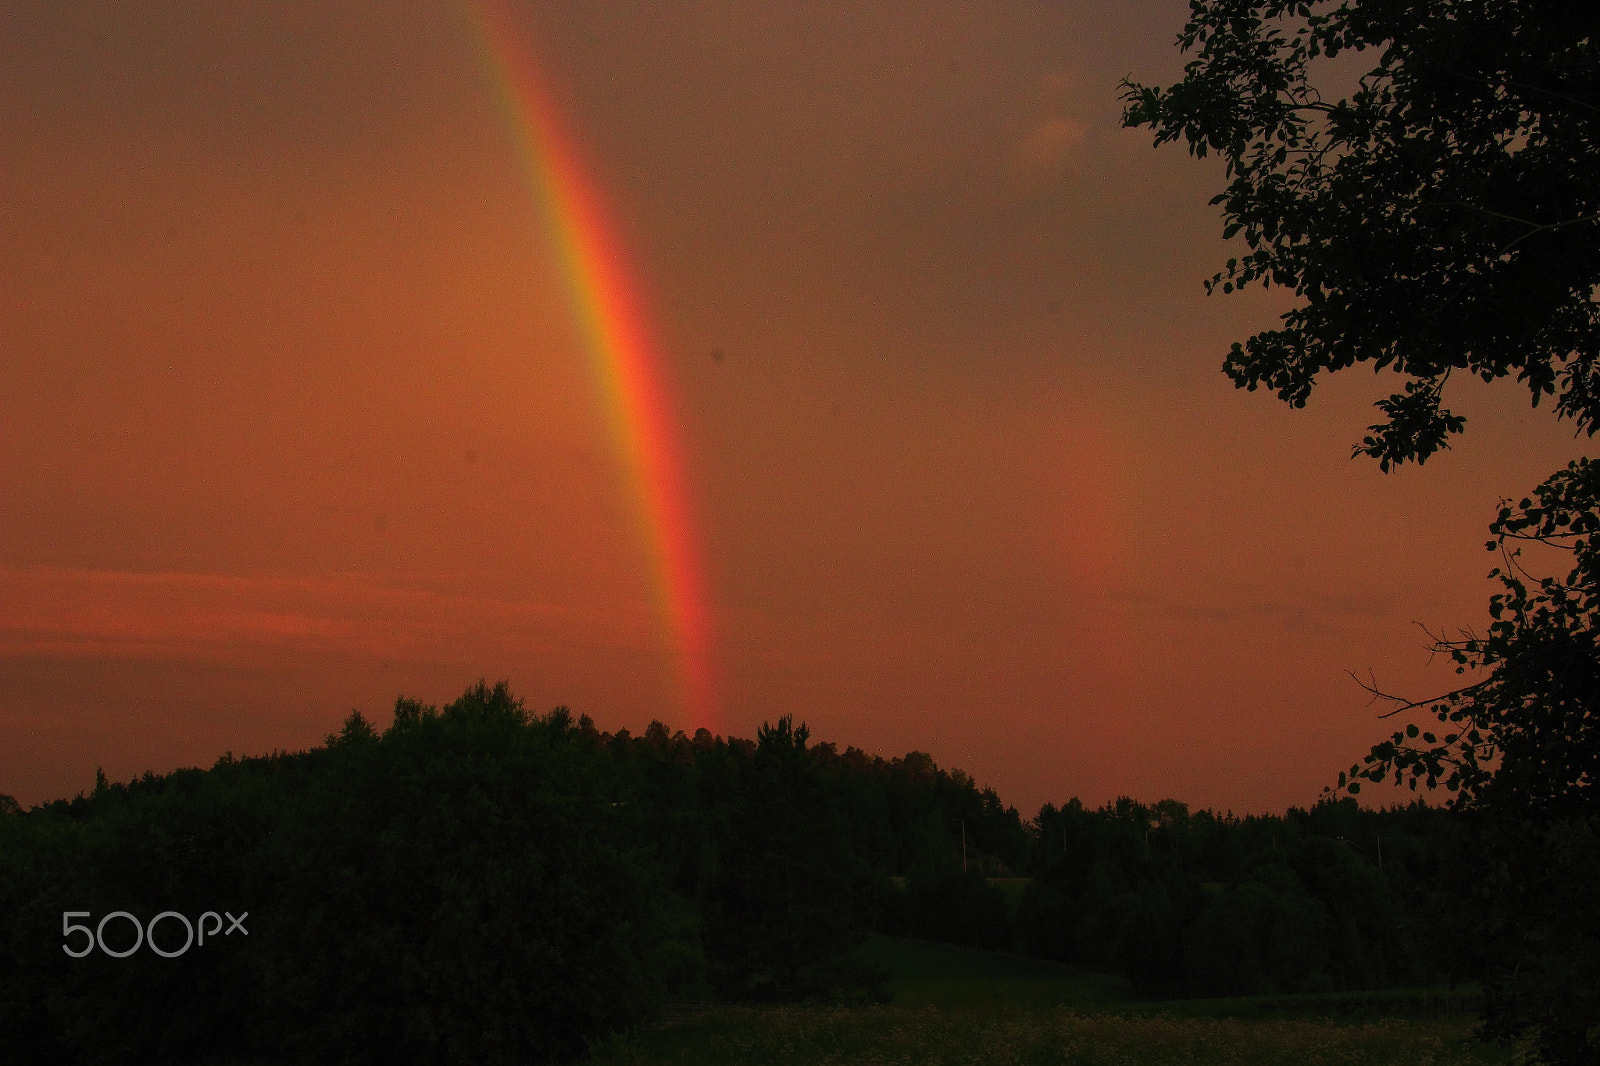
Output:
[[1305, 610], [59, 612]]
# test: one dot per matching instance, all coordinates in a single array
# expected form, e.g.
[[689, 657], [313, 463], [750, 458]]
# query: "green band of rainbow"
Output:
[[610, 311]]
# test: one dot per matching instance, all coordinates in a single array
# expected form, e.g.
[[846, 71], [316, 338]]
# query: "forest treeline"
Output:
[[483, 884]]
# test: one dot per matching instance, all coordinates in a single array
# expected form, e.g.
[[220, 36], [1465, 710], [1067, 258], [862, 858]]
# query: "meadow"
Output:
[[955, 1005]]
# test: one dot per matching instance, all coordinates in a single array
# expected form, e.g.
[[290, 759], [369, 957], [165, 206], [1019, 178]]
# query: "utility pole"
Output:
[[963, 845]]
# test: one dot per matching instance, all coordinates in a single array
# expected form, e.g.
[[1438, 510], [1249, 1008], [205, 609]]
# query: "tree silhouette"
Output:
[[1444, 216], [788, 902]]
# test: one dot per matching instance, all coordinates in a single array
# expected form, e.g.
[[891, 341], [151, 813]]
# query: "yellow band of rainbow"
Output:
[[615, 329]]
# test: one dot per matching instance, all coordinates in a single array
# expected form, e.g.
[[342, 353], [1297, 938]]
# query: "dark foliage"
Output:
[[470, 888], [475, 884], [1524, 742], [1207, 905], [1442, 217], [481, 885], [788, 898], [1521, 749], [464, 888], [958, 908]]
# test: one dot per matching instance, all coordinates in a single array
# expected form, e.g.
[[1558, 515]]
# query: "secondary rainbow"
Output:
[[611, 314]]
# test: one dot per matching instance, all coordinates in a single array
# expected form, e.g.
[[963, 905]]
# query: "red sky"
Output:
[[297, 418]]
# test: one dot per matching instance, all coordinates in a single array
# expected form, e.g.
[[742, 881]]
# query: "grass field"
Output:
[[954, 1005]]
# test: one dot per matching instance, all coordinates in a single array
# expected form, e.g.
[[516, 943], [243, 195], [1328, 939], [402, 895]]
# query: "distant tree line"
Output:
[[1331, 898], [483, 884]]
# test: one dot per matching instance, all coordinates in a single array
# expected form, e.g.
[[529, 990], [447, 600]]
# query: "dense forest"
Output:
[[482, 883]]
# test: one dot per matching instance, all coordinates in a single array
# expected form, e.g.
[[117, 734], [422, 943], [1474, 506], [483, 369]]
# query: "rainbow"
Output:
[[610, 309]]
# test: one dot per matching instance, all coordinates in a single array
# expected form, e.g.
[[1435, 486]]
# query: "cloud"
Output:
[[1043, 154], [1312, 611], [1051, 143], [72, 613]]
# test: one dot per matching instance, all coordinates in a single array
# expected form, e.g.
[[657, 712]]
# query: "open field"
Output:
[[954, 1005]]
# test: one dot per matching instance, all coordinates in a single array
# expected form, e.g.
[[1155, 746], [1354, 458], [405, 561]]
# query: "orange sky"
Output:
[[296, 417]]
